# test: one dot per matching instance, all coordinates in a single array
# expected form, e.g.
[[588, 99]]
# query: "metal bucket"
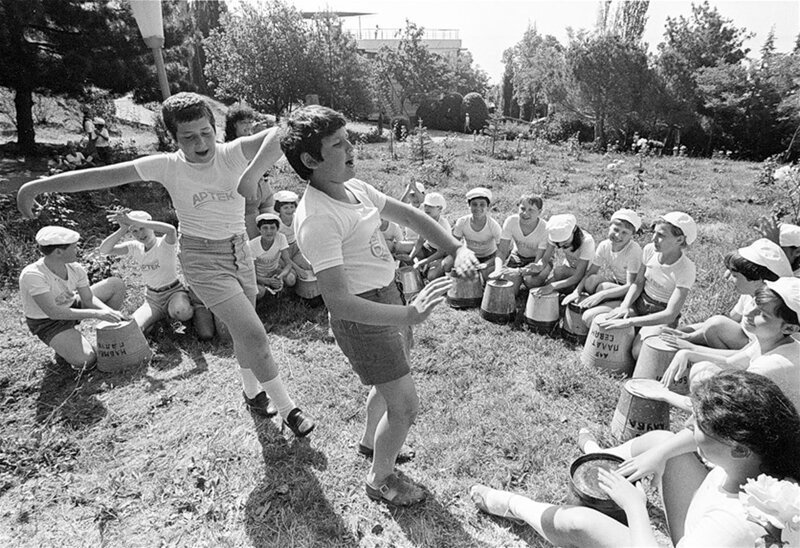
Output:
[[120, 345], [584, 489], [609, 348], [636, 414], [466, 292], [541, 312], [498, 304]]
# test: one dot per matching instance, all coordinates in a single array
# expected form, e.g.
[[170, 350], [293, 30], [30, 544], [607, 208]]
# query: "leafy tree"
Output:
[[343, 74], [62, 46], [509, 105], [539, 73], [474, 105], [262, 56], [410, 71], [464, 78]]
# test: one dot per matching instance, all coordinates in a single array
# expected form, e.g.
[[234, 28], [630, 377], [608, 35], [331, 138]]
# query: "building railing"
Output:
[[394, 34]]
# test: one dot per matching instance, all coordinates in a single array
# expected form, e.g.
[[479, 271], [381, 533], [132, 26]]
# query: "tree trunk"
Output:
[[26, 136], [600, 132]]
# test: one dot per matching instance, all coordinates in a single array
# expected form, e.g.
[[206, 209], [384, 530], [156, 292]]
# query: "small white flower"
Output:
[[784, 173], [768, 501]]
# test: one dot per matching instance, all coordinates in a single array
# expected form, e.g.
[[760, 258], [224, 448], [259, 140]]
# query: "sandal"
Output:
[[299, 423], [491, 501], [585, 437], [396, 491], [402, 457]]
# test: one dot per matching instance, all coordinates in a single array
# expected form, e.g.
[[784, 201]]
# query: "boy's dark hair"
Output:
[[239, 113], [532, 199], [185, 107], [48, 249], [305, 130], [265, 221], [577, 238], [488, 201], [674, 230], [626, 224], [750, 409], [765, 297], [750, 270], [278, 205]]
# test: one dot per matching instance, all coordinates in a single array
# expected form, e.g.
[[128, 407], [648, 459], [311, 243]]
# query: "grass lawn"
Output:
[[166, 454]]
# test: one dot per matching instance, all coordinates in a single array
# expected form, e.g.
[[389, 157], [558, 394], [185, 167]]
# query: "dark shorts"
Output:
[[377, 353], [645, 305], [46, 328], [516, 261]]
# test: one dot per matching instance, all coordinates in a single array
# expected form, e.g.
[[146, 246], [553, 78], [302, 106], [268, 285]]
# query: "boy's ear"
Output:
[[308, 160], [790, 328]]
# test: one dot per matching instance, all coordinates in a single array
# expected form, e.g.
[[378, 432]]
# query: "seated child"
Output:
[[426, 256], [616, 263], [785, 235], [577, 245], [74, 159], [478, 230], [157, 256], [51, 306], [285, 206], [414, 194], [338, 223], [271, 255], [523, 241], [744, 426], [775, 353], [657, 295], [392, 234], [749, 268]]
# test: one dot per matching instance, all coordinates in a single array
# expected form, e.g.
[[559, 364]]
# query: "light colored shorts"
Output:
[[218, 270], [159, 299], [377, 353]]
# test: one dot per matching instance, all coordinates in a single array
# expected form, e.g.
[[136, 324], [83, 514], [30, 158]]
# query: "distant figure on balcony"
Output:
[[377, 29]]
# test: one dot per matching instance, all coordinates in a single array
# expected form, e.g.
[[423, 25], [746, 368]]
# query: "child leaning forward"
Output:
[[338, 230]]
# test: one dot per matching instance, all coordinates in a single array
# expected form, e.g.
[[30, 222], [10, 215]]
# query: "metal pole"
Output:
[[155, 43]]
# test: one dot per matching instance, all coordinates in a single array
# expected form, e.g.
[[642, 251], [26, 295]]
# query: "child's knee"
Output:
[[180, 308], [290, 280], [592, 282]]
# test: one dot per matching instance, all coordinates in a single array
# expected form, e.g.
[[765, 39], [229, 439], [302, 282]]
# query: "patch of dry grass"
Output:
[[166, 455]]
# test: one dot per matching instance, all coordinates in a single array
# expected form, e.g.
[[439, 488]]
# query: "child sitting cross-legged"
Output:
[[577, 245], [426, 256], [271, 255], [338, 230], [616, 263], [478, 230]]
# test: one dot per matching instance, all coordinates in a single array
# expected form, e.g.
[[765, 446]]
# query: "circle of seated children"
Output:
[[743, 426], [478, 230], [285, 206], [270, 251]]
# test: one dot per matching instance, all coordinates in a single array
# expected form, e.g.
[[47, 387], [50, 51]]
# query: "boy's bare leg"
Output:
[[376, 409], [402, 406], [111, 291], [145, 316], [73, 347]]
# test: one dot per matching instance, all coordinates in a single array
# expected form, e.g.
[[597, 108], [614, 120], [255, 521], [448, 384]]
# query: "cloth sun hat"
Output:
[[684, 222], [268, 217], [630, 216], [788, 288], [140, 216], [56, 235], [435, 199], [560, 227], [286, 196], [419, 188], [789, 235], [99, 121], [479, 192], [769, 255]]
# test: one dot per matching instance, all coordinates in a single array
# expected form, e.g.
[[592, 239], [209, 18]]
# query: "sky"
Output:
[[488, 27]]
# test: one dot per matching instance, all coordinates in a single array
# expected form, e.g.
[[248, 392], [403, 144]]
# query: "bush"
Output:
[[368, 137], [561, 127], [430, 112], [450, 115], [100, 103], [474, 105]]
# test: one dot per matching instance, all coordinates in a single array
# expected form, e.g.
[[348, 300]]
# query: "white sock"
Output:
[[279, 396], [250, 383]]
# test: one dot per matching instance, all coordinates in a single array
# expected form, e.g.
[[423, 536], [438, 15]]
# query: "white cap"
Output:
[[56, 235], [479, 192], [286, 196], [417, 187], [99, 121], [560, 227], [435, 199], [769, 255], [630, 216], [684, 222], [789, 235], [789, 290], [268, 217], [140, 215]]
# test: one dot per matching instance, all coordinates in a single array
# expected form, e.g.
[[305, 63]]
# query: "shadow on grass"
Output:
[[295, 318], [288, 506]]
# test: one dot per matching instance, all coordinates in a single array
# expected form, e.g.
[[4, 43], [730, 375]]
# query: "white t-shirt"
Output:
[[332, 233], [37, 279], [392, 232], [584, 253], [445, 224], [267, 261], [744, 305], [482, 242], [781, 365], [205, 196], [717, 518], [288, 231], [253, 208], [660, 280], [526, 246], [616, 265], [158, 264]]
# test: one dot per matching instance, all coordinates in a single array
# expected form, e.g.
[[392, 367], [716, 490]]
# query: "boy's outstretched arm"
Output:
[[262, 149], [75, 181]]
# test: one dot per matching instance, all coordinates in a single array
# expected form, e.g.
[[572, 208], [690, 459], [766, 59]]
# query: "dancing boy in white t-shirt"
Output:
[[202, 179]]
